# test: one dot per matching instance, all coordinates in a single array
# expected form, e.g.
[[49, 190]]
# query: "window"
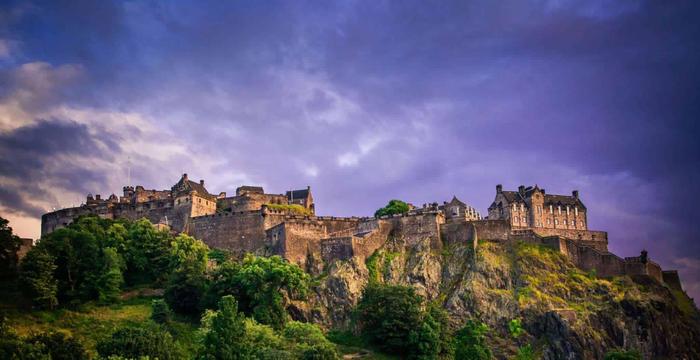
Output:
[[567, 209], [576, 211], [573, 223], [566, 222], [549, 221], [515, 207], [559, 209], [556, 221], [524, 221], [522, 207], [551, 211], [515, 219]]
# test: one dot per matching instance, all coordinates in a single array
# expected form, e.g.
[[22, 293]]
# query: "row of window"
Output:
[[539, 209], [523, 220]]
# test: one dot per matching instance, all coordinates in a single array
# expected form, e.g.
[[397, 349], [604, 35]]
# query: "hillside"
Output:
[[566, 313]]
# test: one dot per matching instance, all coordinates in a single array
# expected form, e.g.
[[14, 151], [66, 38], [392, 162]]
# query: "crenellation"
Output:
[[249, 222]]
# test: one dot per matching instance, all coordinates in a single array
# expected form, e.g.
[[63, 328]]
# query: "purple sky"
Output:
[[364, 101]]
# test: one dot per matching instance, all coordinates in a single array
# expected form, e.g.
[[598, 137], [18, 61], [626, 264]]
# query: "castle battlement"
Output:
[[255, 221]]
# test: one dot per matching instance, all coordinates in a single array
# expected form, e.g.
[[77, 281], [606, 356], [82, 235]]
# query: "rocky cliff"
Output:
[[566, 313]]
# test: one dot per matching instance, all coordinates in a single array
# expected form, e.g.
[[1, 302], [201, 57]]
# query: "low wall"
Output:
[[597, 238]]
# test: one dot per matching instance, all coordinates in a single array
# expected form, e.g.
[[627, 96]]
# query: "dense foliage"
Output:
[[228, 334], [392, 208], [9, 245], [393, 318], [470, 342], [260, 285], [51, 345], [138, 341]]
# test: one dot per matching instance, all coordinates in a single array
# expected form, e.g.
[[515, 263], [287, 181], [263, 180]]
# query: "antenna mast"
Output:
[[128, 170]]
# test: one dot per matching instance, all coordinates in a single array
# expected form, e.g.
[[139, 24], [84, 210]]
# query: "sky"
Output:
[[364, 101]]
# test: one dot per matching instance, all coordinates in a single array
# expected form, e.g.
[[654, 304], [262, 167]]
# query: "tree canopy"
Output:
[[392, 208]]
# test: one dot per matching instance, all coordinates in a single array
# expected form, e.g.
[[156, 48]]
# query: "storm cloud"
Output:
[[364, 101]]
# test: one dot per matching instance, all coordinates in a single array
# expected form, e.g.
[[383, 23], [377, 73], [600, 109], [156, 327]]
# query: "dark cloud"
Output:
[[39, 162]]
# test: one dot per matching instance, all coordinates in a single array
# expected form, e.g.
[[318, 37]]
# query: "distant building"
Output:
[[532, 208]]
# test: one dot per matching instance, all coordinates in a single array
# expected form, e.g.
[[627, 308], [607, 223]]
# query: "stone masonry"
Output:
[[253, 221]]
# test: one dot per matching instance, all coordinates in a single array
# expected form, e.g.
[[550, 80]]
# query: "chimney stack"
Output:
[[184, 176], [575, 194], [499, 188], [201, 182], [521, 189]]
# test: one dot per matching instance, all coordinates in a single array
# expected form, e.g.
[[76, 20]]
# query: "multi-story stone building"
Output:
[[532, 208]]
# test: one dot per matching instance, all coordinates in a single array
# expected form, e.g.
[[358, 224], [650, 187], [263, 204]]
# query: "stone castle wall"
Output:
[[238, 232]]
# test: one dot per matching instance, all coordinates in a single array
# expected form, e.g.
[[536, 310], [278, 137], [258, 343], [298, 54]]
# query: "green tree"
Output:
[[160, 311], [111, 279], [147, 253], [308, 341], [9, 245], [392, 208], [259, 284], [470, 342], [224, 332], [188, 251], [37, 278], [389, 317], [185, 289], [135, 342]]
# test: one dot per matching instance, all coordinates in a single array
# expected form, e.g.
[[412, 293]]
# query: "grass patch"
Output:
[[292, 208], [372, 264], [92, 323], [685, 304], [347, 343]]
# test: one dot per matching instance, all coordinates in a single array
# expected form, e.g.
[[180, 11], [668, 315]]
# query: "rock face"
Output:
[[566, 313]]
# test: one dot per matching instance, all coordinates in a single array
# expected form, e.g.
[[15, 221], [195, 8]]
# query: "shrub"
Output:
[[135, 342], [392, 208], [621, 354], [292, 208], [160, 311], [525, 353], [60, 347], [515, 328], [309, 341], [470, 342]]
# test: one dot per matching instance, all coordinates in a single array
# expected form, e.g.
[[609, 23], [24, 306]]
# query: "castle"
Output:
[[286, 225]]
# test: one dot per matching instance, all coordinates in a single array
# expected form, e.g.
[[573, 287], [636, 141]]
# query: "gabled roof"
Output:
[[517, 197], [185, 185], [457, 201], [298, 194]]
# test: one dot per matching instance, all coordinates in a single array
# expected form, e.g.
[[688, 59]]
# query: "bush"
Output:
[[621, 354], [60, 347], [160, 312], [308, 341], [392, 208], [135, 342], [470, 342]]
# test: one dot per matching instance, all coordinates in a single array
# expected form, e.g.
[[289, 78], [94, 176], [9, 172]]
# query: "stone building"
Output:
[[253, 222], [175, 208], [532, 208]]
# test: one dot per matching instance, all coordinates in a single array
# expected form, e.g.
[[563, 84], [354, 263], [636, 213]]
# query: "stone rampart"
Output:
[[672, 279], [239, 232]]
